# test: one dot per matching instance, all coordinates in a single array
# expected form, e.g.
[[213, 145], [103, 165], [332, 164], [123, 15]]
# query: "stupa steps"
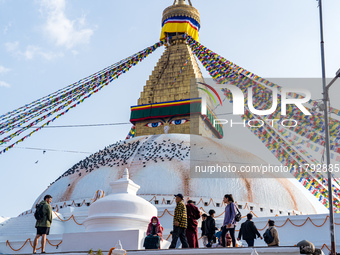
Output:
[[285, 250], [21, 225], [172, 77]]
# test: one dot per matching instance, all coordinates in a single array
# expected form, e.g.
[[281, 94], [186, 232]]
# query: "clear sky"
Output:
[[46, 45]]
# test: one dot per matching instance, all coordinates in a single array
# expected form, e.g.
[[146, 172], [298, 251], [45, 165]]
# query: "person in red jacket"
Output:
[[193, 214], [154, 234]]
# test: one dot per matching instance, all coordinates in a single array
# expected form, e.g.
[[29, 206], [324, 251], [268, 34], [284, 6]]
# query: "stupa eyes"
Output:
[[154, 124], [160, 123], [178, 122]]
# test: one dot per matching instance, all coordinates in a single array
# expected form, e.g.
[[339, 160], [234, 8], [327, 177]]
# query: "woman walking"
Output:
[[229, 222]]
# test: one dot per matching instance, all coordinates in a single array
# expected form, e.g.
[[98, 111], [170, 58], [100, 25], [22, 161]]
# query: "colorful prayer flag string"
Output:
[[51, 107], [280, 142]]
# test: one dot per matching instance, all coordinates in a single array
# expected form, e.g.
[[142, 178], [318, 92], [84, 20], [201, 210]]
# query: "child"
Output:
[[218, 236], [210, 228], [154, 234], [204, 231], [228, 240]]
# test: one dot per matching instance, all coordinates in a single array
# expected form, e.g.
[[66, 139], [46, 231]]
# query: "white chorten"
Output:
[[121, 210]]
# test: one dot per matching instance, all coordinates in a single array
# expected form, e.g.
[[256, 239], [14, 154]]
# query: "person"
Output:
[[203, 228], [228, 240], [193, 214], [248, 231], [154, 234], [211, 228], [218, 235], [179, 224], [43, 225], [229, 222], [274, 234]]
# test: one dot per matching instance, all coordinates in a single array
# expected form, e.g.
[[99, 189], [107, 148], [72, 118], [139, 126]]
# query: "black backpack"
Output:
[[238, 215], [39, 214], [268, 237]]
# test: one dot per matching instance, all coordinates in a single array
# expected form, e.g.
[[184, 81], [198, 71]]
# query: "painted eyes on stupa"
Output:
[[154, 124], [178, 122], [172, 122]]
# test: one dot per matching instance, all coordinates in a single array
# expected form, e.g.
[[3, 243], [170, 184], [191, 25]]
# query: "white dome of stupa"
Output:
[[161, 165]]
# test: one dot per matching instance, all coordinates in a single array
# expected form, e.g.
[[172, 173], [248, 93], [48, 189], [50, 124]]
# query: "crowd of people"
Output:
[[185, 228]]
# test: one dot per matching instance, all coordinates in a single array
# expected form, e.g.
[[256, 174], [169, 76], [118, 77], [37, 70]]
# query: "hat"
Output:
[[179, 195]]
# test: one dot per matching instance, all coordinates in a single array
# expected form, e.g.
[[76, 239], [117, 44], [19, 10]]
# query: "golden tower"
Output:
[[171, 101]]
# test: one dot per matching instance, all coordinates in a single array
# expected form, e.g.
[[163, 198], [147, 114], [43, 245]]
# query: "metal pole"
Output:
[[328, 159]]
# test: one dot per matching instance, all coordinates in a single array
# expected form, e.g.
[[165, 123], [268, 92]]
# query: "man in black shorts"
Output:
[[43, 225]]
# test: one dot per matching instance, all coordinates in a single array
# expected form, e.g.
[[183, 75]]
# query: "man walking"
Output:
[[180, 223], [193, 214], [271, 237], [44, 223], [248, 231]]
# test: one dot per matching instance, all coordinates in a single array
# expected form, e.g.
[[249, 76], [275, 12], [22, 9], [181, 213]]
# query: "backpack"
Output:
[[268, 237], [39, 214], [238, 215]]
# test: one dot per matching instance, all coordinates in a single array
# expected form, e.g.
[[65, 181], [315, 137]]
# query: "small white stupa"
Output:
[[122, 215], [121, 210]]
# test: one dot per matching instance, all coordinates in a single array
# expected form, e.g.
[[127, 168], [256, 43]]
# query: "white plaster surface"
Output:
[[160, 164]]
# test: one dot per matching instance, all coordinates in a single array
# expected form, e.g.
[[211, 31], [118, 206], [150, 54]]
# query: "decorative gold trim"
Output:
[[181, 10]]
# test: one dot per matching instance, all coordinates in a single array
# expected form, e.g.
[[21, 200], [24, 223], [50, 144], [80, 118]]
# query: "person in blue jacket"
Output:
[[229, 222]]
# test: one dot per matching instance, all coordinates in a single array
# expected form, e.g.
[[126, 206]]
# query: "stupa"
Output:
[[169, 125], [166, 124]]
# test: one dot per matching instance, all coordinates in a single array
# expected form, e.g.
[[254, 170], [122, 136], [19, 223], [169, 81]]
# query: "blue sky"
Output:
[[46, 45]]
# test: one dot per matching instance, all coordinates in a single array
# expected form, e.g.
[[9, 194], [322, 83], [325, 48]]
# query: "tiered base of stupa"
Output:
[[291, 229]]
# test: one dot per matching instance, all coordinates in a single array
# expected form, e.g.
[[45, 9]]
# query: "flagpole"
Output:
[[327, 148]]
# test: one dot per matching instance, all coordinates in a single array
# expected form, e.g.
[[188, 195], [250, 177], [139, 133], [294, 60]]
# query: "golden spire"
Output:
[[181, 2], [180, 18], [170, 101]]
